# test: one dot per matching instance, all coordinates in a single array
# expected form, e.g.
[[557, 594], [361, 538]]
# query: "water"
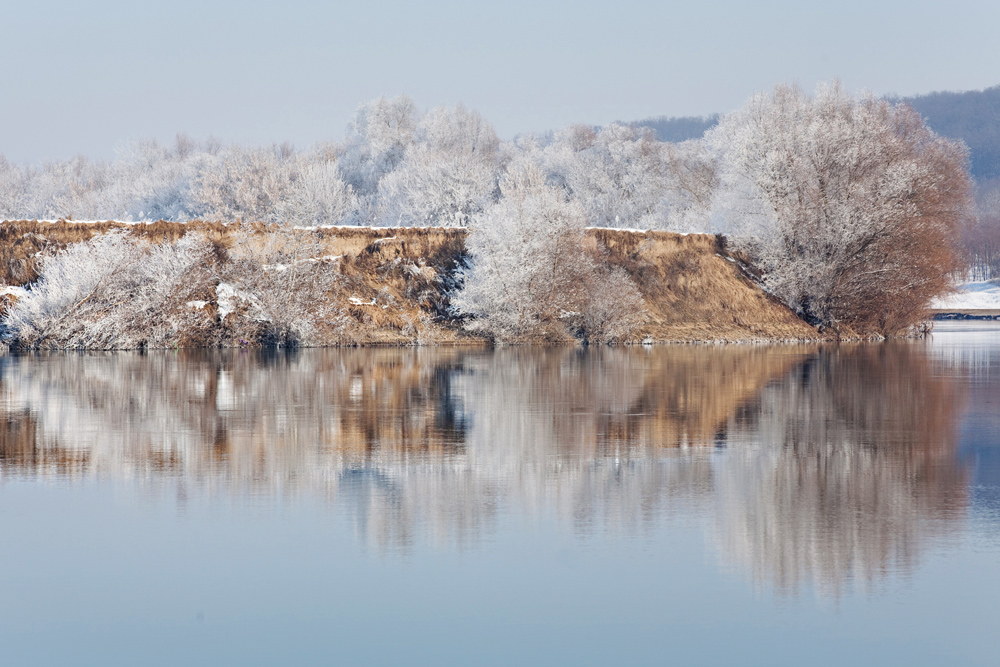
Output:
[[690, 505]]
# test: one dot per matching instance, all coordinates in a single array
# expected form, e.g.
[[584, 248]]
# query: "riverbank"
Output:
[[253, 284]]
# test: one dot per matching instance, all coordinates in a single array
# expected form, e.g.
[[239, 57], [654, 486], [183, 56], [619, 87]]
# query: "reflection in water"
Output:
[[819, 465], [848, 469]]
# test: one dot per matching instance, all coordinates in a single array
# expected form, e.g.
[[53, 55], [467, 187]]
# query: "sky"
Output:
[[85, 78]]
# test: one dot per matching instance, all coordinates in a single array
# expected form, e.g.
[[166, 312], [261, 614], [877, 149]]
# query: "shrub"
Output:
[[533, 274], [116, 292], [275, 288]]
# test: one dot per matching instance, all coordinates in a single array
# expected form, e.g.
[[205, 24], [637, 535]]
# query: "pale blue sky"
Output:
[[85, 77]]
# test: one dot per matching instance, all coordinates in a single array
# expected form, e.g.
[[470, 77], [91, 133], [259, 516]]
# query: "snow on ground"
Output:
[[14, 291], [971, 296]]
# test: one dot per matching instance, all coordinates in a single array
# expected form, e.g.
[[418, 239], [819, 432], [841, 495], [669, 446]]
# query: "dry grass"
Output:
[[694, 292], [24, 242]]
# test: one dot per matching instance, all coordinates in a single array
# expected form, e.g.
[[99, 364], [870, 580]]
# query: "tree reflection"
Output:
[[819, 465], [846, 468]]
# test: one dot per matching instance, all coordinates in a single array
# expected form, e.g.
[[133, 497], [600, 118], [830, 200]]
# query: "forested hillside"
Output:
[[679, 128], [972, 116]]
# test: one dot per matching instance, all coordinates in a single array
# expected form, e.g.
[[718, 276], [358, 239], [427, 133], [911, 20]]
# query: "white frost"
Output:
[[226, 295]]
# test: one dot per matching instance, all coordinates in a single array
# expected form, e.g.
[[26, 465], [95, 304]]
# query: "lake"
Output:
[[690, 505]]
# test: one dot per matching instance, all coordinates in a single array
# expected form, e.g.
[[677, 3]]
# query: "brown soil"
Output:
[[694, 291]]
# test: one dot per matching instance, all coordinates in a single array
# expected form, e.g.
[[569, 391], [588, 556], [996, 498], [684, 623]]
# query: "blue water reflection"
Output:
[[680, 505]]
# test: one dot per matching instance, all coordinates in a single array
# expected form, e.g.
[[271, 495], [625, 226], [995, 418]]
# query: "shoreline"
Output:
[[389, 286]]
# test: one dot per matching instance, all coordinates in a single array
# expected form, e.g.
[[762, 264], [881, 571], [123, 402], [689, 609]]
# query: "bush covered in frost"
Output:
[[115, 292], [275, 289], [533, 274]]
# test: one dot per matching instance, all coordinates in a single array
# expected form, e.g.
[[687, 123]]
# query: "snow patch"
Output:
[[372, 227], [640, 231], [971, 296], [308, 260], [227, 296]]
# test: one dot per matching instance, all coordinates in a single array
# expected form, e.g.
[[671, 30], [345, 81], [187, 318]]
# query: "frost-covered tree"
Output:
[[617, 173], [447, 175], [13, 190], [691, 180], [153, 182], [849, 205], [246, 184], [317, 195], [146, 181], [70, 188], [396, 167], [533, 273], [379, 135], [624, 178]]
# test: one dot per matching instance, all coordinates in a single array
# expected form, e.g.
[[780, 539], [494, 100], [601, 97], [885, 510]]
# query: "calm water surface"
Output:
[[676, 505]]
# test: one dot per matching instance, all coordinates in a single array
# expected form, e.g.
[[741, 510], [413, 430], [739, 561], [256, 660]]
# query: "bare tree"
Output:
[[981, 237]]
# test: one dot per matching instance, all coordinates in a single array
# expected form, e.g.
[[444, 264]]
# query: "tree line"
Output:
[[845, 207]]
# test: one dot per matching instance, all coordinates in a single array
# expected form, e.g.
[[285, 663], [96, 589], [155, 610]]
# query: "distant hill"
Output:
[[677, 129], [973, 117]]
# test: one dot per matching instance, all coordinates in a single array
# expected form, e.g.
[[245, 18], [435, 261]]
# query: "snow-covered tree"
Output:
[[380, 133], [617, 173], [533, 273], [317, 195], [849, 205], [68, 188], [691, 181], [153, 182], [624, 178], [246, 184], [447, 175], [13, 190]]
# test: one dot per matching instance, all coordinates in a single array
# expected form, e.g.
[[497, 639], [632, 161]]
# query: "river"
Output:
[[710, 505]]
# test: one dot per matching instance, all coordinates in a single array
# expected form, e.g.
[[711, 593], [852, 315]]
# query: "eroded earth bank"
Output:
[[204, 284]]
